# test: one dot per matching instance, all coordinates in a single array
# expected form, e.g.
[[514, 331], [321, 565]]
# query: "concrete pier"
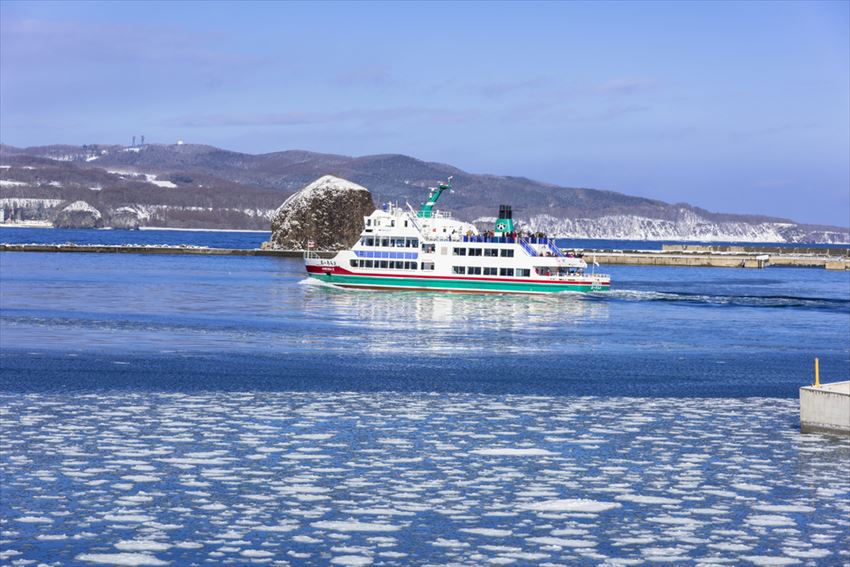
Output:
[[726, 257], [130, 249], [825, 408], [675, 256]]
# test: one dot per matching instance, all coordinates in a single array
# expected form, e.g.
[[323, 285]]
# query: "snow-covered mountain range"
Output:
[[197, 186]]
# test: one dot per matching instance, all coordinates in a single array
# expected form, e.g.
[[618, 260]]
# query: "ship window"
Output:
[[458, 270], [428, 248], [382, 264], [385, 242], [459, 252], [543, 271], [368, 222], [523, 272], [507, 253], [413, 243], [475, 251], [427, 265], [398, 242], [474, 270], [370, 241], [405, 224], [491, 252], [392, 223], [490, 271], [506, 271], [354, 263]]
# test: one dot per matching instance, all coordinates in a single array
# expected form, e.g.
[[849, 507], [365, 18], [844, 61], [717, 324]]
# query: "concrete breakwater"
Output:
[[142, 249], [693, 256], [726, 257]]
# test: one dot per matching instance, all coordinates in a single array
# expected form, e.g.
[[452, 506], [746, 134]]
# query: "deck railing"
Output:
[[527, 247]]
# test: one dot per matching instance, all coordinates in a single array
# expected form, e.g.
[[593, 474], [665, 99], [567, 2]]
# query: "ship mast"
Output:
[[427, 208]]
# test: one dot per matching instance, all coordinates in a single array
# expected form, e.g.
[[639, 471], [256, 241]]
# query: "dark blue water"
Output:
[[257, 323], [193, 409], [213, 239]]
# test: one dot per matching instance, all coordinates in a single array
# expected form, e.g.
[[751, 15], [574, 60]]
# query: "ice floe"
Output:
[[153, 478]]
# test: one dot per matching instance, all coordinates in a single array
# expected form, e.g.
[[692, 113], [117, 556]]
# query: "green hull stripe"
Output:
[[471, 285]]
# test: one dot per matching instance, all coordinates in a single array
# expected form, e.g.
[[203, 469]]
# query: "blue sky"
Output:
[[735, 107]]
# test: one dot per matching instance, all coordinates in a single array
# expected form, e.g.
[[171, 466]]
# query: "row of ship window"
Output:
[[429, 266], [429, 248], [390, 241], [482, 271], [492, 252], [390, 264]]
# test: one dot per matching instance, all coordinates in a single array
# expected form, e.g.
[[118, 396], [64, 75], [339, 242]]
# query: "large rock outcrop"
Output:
[[125, 218], [78, 214], [328, 211]]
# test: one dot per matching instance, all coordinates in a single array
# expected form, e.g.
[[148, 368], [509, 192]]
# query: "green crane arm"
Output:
[[428, 207]]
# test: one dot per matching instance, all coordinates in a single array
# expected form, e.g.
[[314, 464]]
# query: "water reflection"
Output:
[[410, 321]]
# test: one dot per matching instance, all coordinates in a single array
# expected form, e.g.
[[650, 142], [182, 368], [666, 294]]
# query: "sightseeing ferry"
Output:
[[402, 248]]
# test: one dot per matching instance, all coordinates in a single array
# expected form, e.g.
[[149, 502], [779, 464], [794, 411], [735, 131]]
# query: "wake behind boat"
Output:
[[401, 248]]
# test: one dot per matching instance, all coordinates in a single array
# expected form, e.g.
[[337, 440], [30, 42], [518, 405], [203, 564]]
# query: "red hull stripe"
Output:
[[343, 271]]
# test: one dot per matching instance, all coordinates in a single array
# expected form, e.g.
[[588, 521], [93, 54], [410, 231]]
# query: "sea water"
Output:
[[186, 410]]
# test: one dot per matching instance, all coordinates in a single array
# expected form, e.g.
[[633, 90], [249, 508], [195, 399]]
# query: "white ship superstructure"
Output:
[[401, 248]]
